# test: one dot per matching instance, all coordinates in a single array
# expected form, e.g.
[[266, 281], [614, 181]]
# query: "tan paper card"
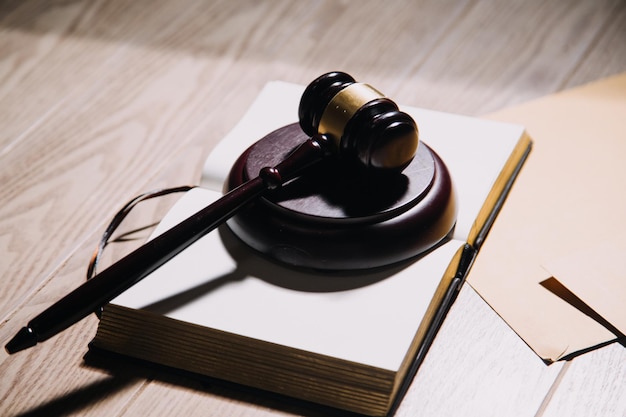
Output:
[[597, 277], [569, 195]]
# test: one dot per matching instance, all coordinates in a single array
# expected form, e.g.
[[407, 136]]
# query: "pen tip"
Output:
[[24, 339]]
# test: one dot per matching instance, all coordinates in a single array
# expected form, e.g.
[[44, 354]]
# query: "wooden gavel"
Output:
[[344, 118], [362, 124]]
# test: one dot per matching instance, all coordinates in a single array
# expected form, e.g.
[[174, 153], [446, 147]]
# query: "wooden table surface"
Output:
[[100, 100]]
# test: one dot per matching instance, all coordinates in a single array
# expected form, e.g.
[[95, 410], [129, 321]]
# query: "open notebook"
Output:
[[350, 341]]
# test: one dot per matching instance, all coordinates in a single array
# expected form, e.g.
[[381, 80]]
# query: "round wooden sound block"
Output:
[[339, 216]]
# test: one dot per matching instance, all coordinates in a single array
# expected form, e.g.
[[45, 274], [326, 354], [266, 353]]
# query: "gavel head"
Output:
[[361, 121]]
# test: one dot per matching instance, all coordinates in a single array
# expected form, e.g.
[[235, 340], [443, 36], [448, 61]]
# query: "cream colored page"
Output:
[[370, 318], [474, 150], [568, 196]]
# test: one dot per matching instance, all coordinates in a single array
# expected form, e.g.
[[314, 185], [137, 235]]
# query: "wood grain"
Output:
[[536, 46], [100, 100], [55, 377], [42, 67], [592, 384], [106, 141], [510, 380]]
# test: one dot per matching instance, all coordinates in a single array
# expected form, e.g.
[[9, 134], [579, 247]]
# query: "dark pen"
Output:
[[131, 269]]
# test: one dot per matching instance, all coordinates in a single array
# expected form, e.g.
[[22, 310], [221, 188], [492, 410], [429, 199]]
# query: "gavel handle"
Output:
[[138, 264]]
